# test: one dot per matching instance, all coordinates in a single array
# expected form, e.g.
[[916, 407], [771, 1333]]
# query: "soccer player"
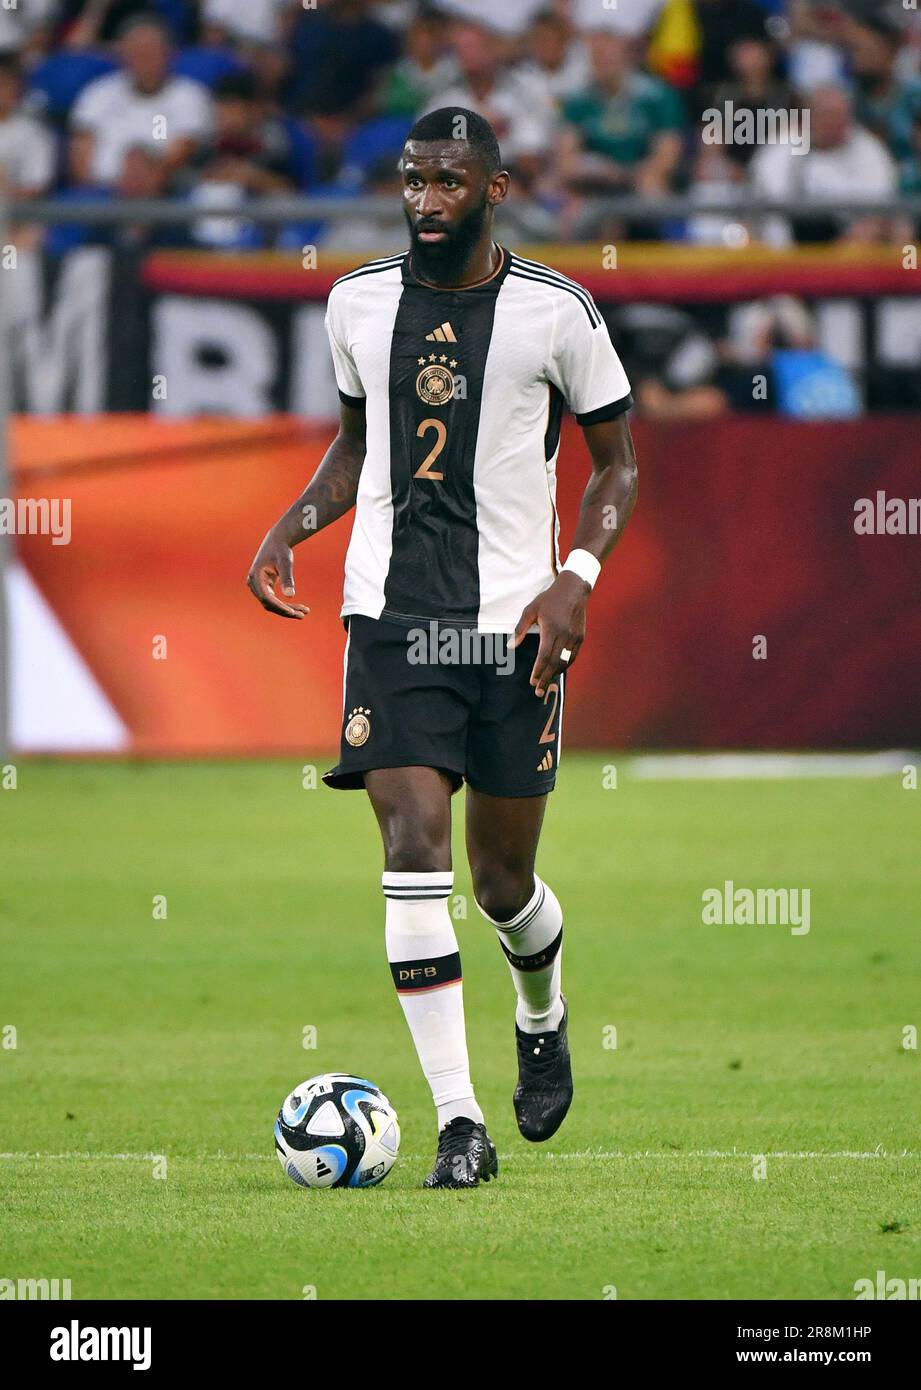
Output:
[[453, 361]]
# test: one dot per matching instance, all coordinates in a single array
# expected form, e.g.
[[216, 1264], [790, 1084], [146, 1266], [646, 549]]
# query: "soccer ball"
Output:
[[337, 1131]]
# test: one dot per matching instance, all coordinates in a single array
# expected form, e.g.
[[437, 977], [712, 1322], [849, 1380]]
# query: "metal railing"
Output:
[[278, 210]]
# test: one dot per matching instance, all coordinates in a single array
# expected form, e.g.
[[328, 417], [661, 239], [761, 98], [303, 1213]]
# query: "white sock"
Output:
[[533, 946], [425, 963]]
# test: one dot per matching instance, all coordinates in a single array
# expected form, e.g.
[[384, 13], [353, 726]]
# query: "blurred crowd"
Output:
[[222, 101]]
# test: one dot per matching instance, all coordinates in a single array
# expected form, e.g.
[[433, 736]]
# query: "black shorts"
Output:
[[438, 695]]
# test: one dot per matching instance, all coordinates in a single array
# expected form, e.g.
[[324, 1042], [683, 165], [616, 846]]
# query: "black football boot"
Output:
[[544, 1091], [465, 1154]]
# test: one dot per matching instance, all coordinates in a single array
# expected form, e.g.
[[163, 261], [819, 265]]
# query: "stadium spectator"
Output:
[[515, 104], [27, 29], [271, 66], [250, 148], [723, 24], [555, 56], [684, 367], [425, 69], [142, 105], [89, 23], [338, 53], [509, 19], [624, 131], [777, 340], [316, 98], [815, 57], [250, 22], [673, 365], [843, 161], [144, 174], [753, 84], [886, 103], [633, 19], [27, 153]]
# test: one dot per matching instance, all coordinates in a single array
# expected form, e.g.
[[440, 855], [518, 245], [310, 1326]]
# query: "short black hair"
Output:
[[11, 65], [870, 15], [236, 86], [446, 124], [549, 16], [145, 19]]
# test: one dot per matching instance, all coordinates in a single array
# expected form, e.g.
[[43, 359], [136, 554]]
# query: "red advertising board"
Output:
[[744, 530]]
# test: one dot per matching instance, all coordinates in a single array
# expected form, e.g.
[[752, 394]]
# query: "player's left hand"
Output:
[[560, 614]]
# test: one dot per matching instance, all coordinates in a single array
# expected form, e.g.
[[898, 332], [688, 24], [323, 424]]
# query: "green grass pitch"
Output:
[[180, 1037]]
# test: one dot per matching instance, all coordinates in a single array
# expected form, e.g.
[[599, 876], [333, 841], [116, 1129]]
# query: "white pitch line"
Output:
[[717, 1153], [718, 767], [622, 1155], [87, 1157]]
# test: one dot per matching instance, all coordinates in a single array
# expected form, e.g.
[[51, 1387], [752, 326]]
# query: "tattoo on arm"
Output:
[[331, 491]]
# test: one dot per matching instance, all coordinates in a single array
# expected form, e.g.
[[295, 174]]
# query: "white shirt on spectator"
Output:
[[574, 74], [26, 153], [634, 17], [18, 22], [509, 17], [255, 20], [860, 169], [119, 117]]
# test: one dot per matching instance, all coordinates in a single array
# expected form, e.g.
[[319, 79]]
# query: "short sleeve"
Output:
[[348, 380], [192, 115], [90, 109], [584, 364]]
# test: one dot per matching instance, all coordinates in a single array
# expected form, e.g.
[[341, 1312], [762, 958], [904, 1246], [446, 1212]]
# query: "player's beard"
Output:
[[445, 261]]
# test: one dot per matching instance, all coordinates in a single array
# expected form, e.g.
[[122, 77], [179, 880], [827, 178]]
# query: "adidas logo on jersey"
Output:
[[444, 334], [546, 762]]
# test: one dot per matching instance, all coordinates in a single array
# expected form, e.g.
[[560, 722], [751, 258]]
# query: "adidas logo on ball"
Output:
[[337, 1130]]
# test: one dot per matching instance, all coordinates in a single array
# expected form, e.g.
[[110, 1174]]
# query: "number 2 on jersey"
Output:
[[425, 467]]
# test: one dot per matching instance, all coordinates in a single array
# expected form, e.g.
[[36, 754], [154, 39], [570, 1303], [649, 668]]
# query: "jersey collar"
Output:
[[491, 284]]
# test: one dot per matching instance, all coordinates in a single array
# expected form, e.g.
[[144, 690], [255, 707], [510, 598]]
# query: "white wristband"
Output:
[[584, 564]]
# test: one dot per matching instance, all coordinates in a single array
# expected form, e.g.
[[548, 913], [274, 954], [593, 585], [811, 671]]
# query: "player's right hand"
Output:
[[274, 565]]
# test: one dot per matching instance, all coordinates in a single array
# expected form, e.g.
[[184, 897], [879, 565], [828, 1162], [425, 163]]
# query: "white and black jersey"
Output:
[[464, 390]]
